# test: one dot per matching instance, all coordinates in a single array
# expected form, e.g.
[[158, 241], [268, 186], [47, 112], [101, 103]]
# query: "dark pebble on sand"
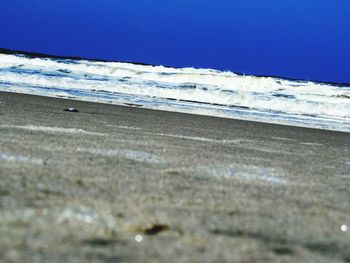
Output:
[[71, 110], [154, 229]]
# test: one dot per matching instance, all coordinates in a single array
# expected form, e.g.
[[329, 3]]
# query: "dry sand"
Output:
[[112, 183]]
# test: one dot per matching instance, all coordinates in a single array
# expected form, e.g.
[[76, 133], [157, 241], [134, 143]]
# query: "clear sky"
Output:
[[307, 39]]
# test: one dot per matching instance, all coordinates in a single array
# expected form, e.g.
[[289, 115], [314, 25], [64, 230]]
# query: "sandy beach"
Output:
[[111, 183]]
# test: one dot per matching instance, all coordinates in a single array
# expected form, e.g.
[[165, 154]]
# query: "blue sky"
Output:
[[305, 39]]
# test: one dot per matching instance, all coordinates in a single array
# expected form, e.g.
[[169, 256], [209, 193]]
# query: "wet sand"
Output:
[[112, 183]]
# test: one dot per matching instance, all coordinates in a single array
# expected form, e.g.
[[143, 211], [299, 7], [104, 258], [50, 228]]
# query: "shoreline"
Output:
[[189, 90], [297, 123], [112, 183]]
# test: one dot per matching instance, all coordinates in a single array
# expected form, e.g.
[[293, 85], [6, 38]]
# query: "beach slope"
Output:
[[106, 183]]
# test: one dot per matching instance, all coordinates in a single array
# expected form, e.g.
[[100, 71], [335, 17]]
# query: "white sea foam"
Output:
[[311, 143], [200, 91], [47, 129], [247, 172], [139, 156], [80, 214], [283, 139], [7, 157], [123, 127], [193, 138]]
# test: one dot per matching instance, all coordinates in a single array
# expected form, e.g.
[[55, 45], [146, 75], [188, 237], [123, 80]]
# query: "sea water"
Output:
[[189, 90]]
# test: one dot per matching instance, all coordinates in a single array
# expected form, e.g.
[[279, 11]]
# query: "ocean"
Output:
[[188, 90]]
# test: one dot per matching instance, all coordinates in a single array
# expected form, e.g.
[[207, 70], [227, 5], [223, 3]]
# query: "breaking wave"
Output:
[[198, 91]]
